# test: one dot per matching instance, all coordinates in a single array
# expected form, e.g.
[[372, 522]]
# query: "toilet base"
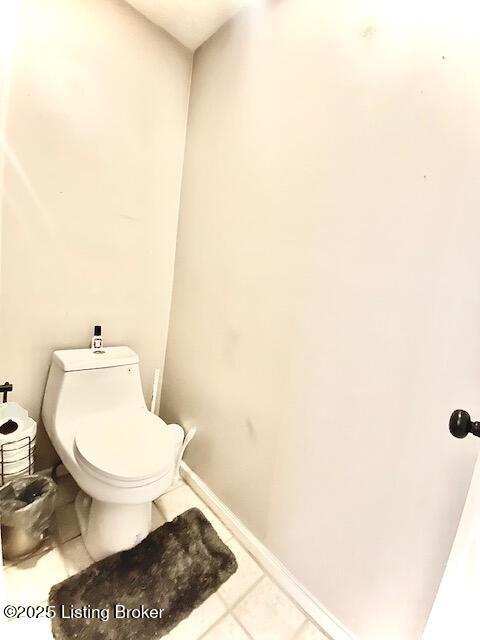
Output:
[[107, 527]]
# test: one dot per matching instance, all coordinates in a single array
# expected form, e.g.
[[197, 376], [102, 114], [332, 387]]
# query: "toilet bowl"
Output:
[[120, 455]]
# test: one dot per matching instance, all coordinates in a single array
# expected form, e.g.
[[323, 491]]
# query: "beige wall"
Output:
[[326, 305], [95, 132]]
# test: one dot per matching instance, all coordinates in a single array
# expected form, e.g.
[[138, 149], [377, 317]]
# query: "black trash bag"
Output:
[[26, 507]]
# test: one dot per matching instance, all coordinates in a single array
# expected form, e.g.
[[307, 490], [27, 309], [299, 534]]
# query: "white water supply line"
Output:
[[188, 438], [182, 439]]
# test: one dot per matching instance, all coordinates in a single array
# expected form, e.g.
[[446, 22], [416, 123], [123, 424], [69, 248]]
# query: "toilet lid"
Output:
[[131, 445]]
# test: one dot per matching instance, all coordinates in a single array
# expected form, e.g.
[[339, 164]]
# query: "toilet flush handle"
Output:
[[461, 424]]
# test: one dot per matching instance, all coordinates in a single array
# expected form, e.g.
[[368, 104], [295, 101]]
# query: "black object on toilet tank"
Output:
[[461, 425], [97, 340]]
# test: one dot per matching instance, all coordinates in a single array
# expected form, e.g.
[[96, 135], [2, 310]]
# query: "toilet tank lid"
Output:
[[81, 359]]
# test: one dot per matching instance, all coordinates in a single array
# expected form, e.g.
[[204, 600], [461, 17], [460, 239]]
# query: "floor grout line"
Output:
[[287, 595], [244, 595], [237, 619], [212, 626]]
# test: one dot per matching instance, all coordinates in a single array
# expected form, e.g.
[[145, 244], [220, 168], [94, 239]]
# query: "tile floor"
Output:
[[249, 606]]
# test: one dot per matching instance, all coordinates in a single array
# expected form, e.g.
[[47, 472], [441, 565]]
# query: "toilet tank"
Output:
[[82, 382]]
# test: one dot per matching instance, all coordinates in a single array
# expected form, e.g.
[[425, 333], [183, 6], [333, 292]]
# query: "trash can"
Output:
[[26, 508]]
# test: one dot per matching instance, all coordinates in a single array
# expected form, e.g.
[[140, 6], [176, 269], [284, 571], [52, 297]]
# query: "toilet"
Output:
[[119, 453]]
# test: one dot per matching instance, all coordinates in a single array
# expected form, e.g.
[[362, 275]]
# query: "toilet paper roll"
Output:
[[12, 410], [17, 447], [26, 428], [7, 422]]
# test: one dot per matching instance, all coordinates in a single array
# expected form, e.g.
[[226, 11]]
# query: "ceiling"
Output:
[[190, 21]]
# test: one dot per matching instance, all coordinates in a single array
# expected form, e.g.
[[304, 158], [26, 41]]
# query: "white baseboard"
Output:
[[305, 600]]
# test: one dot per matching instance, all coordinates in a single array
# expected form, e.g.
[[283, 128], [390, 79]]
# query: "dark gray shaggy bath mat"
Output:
[[175, 568]]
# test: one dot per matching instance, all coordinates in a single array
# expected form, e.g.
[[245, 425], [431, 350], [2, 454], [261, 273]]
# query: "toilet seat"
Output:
[[124, 447]]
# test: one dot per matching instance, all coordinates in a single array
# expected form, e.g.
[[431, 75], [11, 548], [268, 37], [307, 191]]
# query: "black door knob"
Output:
[[461, 424]]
